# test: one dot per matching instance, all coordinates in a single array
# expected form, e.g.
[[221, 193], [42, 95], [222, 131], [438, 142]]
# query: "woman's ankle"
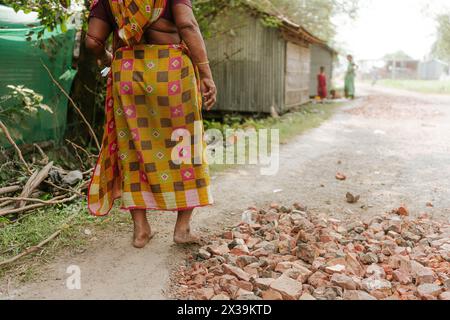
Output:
[[139, 215]]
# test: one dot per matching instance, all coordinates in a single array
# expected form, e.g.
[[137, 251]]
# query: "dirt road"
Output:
[[393, 146]]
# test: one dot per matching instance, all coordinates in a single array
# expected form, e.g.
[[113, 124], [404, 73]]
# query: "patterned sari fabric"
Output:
[[133, 16], [153, 149]]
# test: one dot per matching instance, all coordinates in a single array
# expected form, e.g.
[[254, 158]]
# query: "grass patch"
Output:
[[36, 226], [302, 119], [423, 86]]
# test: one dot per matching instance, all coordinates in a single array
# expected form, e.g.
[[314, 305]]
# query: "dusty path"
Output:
[[393, 146]]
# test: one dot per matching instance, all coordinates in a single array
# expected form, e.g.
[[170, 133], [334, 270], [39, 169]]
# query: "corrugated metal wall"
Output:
[[320, 56], [432, 70], [248, 65]]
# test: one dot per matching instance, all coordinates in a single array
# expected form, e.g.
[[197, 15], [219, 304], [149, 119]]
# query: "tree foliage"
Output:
[[20, 103], [206, 12], [441, 48], [51, 12], [314, 15]]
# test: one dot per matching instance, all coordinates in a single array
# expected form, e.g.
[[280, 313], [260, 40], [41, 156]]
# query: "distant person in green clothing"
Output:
[[350, 78]]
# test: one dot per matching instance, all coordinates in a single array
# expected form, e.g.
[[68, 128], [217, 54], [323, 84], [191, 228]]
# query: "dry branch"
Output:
[[42, 153], [76, 146], [6, 203], [11, 141], [34, 182], [9, 189], [88, 172], [36, 206], [63, 189], [52, 201], [31, 147]]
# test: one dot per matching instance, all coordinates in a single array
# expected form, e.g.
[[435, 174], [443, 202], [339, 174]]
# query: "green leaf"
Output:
[[64, 27]]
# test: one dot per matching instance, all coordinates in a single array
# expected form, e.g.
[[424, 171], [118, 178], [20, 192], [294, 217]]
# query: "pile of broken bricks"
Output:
[[288, 253]]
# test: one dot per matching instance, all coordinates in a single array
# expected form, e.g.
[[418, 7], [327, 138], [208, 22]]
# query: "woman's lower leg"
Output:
[[142, 230], [183, 233]]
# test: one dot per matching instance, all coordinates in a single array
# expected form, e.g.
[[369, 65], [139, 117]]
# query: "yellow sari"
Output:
[[152, 92]]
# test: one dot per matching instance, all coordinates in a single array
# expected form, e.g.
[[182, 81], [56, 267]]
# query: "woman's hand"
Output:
[[106, 59], [207, 86], [209, 92]]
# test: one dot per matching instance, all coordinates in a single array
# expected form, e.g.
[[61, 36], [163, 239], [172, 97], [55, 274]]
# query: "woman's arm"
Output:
[[190, 33], [97, 34]]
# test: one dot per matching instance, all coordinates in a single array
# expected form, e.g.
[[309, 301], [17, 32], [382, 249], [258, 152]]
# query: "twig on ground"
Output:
[[40, 245], [63, 189], [9, 189], [52, 201], [88, 172], [34, 182], [30, 147], [76, 146], [36, 206], [45, 158], [85, 185], [6, 203], [11, 141]]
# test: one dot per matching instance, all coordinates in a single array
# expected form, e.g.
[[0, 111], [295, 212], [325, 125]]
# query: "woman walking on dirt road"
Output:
[[159, 74]]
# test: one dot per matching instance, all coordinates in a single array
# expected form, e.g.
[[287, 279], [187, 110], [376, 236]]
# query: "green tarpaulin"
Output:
[[21, 63]]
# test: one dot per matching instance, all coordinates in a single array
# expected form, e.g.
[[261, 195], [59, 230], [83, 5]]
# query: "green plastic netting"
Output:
[[21, 64]]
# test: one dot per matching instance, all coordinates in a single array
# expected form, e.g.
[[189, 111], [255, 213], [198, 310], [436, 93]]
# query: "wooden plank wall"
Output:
[[297, 74]]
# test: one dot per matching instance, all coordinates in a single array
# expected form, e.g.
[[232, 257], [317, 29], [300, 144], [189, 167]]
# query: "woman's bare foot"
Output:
[[142, 231], [186, 237], [182, 233], [141, 240]]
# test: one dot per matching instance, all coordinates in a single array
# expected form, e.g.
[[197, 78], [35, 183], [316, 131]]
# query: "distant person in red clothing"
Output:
[[322, 91]]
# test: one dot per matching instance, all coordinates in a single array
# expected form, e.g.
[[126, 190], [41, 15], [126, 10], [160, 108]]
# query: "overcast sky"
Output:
[[386, 26]]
